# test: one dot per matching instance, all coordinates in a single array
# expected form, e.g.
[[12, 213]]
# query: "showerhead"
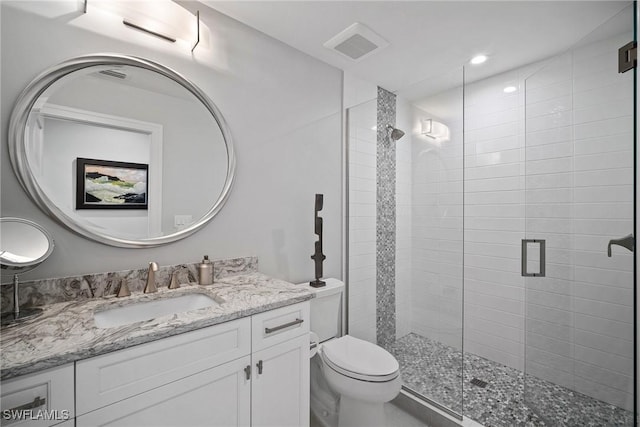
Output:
[[395, 133]]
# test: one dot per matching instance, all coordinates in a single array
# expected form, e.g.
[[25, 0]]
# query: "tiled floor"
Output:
[[435, 370]]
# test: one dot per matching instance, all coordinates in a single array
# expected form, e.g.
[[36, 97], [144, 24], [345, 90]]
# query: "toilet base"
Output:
[[356, 413]]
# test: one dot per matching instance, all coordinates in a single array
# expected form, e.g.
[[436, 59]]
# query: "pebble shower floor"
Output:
[[434, 370]]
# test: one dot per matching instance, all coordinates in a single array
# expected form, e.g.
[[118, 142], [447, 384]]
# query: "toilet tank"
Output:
[[326, 309]]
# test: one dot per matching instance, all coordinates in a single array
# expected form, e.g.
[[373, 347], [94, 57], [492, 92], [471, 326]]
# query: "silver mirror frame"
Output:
[[19, 161], [27, 266]]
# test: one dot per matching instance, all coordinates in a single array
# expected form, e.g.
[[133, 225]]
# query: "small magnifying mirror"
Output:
[[23, 246]]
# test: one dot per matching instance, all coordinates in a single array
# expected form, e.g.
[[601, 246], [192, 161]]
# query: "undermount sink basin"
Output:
[[148, 310]]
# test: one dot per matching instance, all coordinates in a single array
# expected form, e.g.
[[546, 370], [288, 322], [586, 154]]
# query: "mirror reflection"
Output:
[[122, 150], [23, 244]]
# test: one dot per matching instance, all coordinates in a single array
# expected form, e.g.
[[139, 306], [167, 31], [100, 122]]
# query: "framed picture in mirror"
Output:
[[108, 184]]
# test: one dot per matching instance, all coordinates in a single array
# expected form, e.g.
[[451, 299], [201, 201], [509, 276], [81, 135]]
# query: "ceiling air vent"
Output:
[[356, 42]]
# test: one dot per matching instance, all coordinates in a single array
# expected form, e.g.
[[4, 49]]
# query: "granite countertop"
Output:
[[66, 332]]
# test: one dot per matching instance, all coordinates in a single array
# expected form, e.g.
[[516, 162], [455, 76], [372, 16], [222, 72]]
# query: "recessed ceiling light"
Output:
[[510, 89], [478, 59]]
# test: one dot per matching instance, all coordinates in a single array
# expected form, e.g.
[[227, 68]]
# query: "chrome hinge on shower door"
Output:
[[628, 57], [541, 261]]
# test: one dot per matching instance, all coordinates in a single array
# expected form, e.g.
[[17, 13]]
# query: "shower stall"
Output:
[[488, 218]]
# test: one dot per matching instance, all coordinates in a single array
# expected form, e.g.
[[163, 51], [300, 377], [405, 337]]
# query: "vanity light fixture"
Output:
[[435, 130], [510, 89], [160, 18]]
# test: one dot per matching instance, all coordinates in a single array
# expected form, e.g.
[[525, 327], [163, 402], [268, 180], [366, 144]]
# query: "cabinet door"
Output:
[[220, 396], [113, 377], [280, 385]]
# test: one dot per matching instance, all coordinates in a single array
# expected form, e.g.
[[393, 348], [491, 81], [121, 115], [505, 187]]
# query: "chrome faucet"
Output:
[[151, 279]]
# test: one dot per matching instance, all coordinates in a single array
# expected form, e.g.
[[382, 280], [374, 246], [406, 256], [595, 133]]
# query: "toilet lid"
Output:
[[360, 359]]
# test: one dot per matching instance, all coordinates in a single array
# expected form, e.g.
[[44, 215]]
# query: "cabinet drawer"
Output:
[[103, 380], [41, 399], [279, 325]]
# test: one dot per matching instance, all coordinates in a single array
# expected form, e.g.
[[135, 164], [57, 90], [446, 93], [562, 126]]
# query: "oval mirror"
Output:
[[23, 244], [121, 150]]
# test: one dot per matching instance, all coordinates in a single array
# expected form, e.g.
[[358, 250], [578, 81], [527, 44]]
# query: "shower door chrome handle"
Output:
[[626, 242], [543, 261]]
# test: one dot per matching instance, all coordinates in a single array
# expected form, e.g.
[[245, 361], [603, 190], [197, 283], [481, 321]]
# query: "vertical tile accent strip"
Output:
[[385, 221]]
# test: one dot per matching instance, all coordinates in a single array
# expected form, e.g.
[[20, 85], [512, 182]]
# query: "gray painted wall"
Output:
[[283, 108]]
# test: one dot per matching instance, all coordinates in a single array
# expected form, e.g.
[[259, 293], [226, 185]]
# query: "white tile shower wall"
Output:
[[361, 121], [494, 219], [436, 299], [549, 152], [585, 186], [571, 161]]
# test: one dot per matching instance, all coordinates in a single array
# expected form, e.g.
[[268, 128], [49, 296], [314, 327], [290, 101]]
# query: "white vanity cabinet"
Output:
[[248, 372], [37, 400]]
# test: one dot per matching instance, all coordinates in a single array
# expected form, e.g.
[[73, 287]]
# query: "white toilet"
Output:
[[348, 373]]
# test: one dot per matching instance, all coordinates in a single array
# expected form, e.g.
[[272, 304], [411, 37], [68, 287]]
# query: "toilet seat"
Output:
[[359, 359]]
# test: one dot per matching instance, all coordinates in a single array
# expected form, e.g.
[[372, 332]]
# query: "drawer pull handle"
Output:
[[286, 325], [259, 365], [37, 402]]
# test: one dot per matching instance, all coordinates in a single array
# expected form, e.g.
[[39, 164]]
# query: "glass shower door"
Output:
[[579, 197]]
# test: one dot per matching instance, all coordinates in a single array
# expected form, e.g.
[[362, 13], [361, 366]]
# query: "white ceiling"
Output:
[[428, 39]]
